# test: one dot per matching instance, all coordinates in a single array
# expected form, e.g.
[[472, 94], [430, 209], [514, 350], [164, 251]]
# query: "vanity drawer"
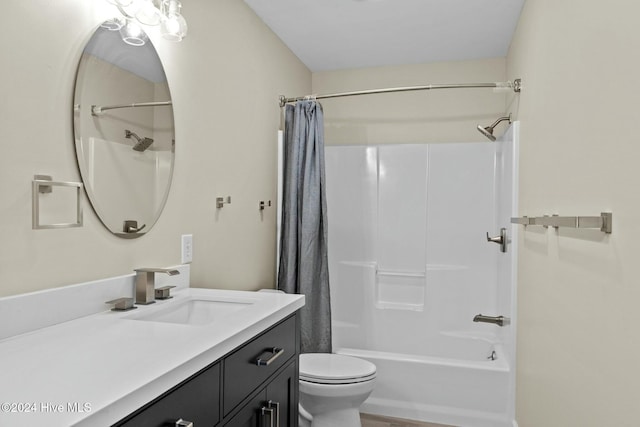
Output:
[[196, 400], [242, 371]]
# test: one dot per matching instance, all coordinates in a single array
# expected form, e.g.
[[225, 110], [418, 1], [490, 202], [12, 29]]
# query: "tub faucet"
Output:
[[145, 283], [499, 320]]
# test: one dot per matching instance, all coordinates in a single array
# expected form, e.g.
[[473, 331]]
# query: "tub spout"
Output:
[[496, 320]]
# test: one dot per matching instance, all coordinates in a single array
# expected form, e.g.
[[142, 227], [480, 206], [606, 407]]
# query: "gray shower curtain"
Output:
[[304, 267]]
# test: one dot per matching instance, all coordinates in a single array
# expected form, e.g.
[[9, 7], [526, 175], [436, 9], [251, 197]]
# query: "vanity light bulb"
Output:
[[132, 34], [174, 28], [170, 26], [113, 24], [148, 14]]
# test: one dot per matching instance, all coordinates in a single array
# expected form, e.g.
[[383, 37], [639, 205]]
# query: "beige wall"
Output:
[[578, 292], [411, 117], [225, 78]]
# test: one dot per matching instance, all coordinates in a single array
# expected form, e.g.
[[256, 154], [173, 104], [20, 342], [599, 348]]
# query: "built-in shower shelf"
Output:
[[602, 222], [397, 273]]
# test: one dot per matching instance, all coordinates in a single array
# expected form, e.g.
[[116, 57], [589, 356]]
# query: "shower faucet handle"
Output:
[[501, 239]]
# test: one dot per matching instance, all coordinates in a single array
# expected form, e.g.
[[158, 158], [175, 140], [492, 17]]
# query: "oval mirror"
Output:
[[124, 131]]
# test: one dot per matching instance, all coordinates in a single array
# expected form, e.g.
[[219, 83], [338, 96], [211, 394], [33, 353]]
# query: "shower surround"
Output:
[[410, 267]]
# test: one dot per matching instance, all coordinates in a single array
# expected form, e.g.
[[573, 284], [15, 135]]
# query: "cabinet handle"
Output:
[[272, 404], [183, 423], [263, 412], [266, 357]]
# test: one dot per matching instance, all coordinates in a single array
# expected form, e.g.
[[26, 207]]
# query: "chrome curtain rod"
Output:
[[97, 110], [515, 85]]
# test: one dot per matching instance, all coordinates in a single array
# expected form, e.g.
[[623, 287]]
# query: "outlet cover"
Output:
[[187, 248]]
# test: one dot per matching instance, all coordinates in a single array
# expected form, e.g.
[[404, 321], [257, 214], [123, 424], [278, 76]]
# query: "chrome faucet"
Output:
[[499, 320], [145, 283]]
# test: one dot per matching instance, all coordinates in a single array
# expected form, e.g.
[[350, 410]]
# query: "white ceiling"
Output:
[[341, 34]]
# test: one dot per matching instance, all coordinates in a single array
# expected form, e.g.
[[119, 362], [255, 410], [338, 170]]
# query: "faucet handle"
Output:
[[122, 304], [169, 271], [164, 292], [501, 239]]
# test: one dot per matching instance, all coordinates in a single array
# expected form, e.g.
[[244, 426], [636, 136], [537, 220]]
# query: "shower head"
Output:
[[142, 143], [488, 130]]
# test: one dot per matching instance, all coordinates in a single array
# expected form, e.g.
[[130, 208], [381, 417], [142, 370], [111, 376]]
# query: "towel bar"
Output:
[[43, 184], [602, 222]]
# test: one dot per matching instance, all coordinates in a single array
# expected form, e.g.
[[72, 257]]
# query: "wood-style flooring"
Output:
[[378, 421]]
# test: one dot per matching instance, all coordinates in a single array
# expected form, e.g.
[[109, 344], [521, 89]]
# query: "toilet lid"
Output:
[[335, 368]]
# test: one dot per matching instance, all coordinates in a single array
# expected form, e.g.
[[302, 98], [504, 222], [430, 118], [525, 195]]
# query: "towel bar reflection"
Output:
[[43, 184], [602, 222]]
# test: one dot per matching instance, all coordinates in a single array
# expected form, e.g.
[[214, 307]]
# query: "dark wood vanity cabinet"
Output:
[[255, 385]]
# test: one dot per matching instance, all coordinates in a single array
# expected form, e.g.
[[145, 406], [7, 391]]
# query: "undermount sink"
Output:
[[193, 311]]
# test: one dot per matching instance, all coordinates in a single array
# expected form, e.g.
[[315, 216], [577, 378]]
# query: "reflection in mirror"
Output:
[[124, 132]]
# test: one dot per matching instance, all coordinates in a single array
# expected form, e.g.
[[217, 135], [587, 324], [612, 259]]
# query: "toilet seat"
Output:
[[325, 368]]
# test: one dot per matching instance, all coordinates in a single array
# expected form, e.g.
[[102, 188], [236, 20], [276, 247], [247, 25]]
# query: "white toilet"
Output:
[[332, 388]]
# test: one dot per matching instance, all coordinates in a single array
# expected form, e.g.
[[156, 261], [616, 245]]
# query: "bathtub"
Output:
[[463, 388]]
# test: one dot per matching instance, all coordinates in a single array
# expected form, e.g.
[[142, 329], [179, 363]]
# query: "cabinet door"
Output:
[[282, 393], [250, 415], [275, 406]]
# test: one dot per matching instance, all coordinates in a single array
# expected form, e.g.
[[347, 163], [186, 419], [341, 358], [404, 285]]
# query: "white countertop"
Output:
[[95, 370]]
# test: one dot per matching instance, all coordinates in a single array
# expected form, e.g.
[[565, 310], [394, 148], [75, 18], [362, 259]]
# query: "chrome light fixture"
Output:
[[174, 26], [148, 13], [165, 13]]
